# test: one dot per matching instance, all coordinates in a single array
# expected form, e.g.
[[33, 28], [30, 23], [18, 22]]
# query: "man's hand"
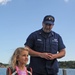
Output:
[[48, 56], [45, 55], [52, 56]]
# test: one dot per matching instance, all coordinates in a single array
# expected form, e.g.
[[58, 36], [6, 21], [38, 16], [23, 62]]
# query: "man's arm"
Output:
[[58, 55], [48, 56], [61, 53], [39, 54]]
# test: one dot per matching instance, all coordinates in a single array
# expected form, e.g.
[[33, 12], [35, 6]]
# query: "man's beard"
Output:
[[46, 30]]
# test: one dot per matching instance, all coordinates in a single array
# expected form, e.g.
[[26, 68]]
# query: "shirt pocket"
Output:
[[39, 45], [54, 47]]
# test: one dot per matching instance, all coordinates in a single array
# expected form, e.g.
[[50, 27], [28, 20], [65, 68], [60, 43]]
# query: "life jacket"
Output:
[[10, 71]]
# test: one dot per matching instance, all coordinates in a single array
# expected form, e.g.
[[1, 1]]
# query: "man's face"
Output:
[[47, 27]]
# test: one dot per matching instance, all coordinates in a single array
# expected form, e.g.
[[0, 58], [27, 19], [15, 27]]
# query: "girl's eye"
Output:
[[25, 55]]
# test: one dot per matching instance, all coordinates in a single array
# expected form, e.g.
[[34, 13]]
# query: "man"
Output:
[[45, 47]]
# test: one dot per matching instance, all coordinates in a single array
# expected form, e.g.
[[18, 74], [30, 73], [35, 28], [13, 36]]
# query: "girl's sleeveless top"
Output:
[[17, 71], [21, 72]]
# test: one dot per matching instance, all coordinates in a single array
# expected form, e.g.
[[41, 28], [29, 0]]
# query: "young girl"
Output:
[[18, 61]]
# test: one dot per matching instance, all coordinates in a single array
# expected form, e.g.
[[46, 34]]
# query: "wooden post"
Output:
[[64, 72]]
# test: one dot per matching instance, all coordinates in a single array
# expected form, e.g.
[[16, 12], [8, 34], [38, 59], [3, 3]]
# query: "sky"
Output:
[[19, 18]]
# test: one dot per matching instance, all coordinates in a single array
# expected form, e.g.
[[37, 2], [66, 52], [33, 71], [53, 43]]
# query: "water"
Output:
[[2, 71], [68, 71]]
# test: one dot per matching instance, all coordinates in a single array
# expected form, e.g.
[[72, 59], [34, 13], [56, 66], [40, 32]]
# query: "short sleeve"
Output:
[[30, 41], [60, 43]]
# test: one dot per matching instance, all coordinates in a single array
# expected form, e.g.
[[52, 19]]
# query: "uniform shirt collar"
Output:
[[51, 33]]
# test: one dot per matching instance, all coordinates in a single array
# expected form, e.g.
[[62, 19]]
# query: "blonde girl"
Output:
[[18, 61]]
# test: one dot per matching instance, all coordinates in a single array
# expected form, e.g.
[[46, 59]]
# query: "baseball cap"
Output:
[[49, 19]]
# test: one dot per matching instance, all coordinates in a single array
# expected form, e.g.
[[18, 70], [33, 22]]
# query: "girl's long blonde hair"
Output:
[[13, 61]]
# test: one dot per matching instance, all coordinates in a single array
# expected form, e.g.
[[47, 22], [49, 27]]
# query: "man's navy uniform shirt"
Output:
[[43, 42]]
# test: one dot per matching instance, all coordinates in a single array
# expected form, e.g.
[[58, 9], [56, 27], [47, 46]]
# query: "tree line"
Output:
[[67, 64], [62, 64]]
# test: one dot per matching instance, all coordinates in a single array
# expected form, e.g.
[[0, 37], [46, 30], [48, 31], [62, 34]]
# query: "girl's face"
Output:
[[23, 57]]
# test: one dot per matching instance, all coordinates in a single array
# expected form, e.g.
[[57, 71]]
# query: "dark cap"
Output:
[[49, 19]]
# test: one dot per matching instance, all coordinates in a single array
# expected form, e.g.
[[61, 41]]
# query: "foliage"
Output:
[[62, 64], [67, 64]]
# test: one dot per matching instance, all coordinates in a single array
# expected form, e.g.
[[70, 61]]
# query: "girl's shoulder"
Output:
[[12, 71], [29, 70]]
